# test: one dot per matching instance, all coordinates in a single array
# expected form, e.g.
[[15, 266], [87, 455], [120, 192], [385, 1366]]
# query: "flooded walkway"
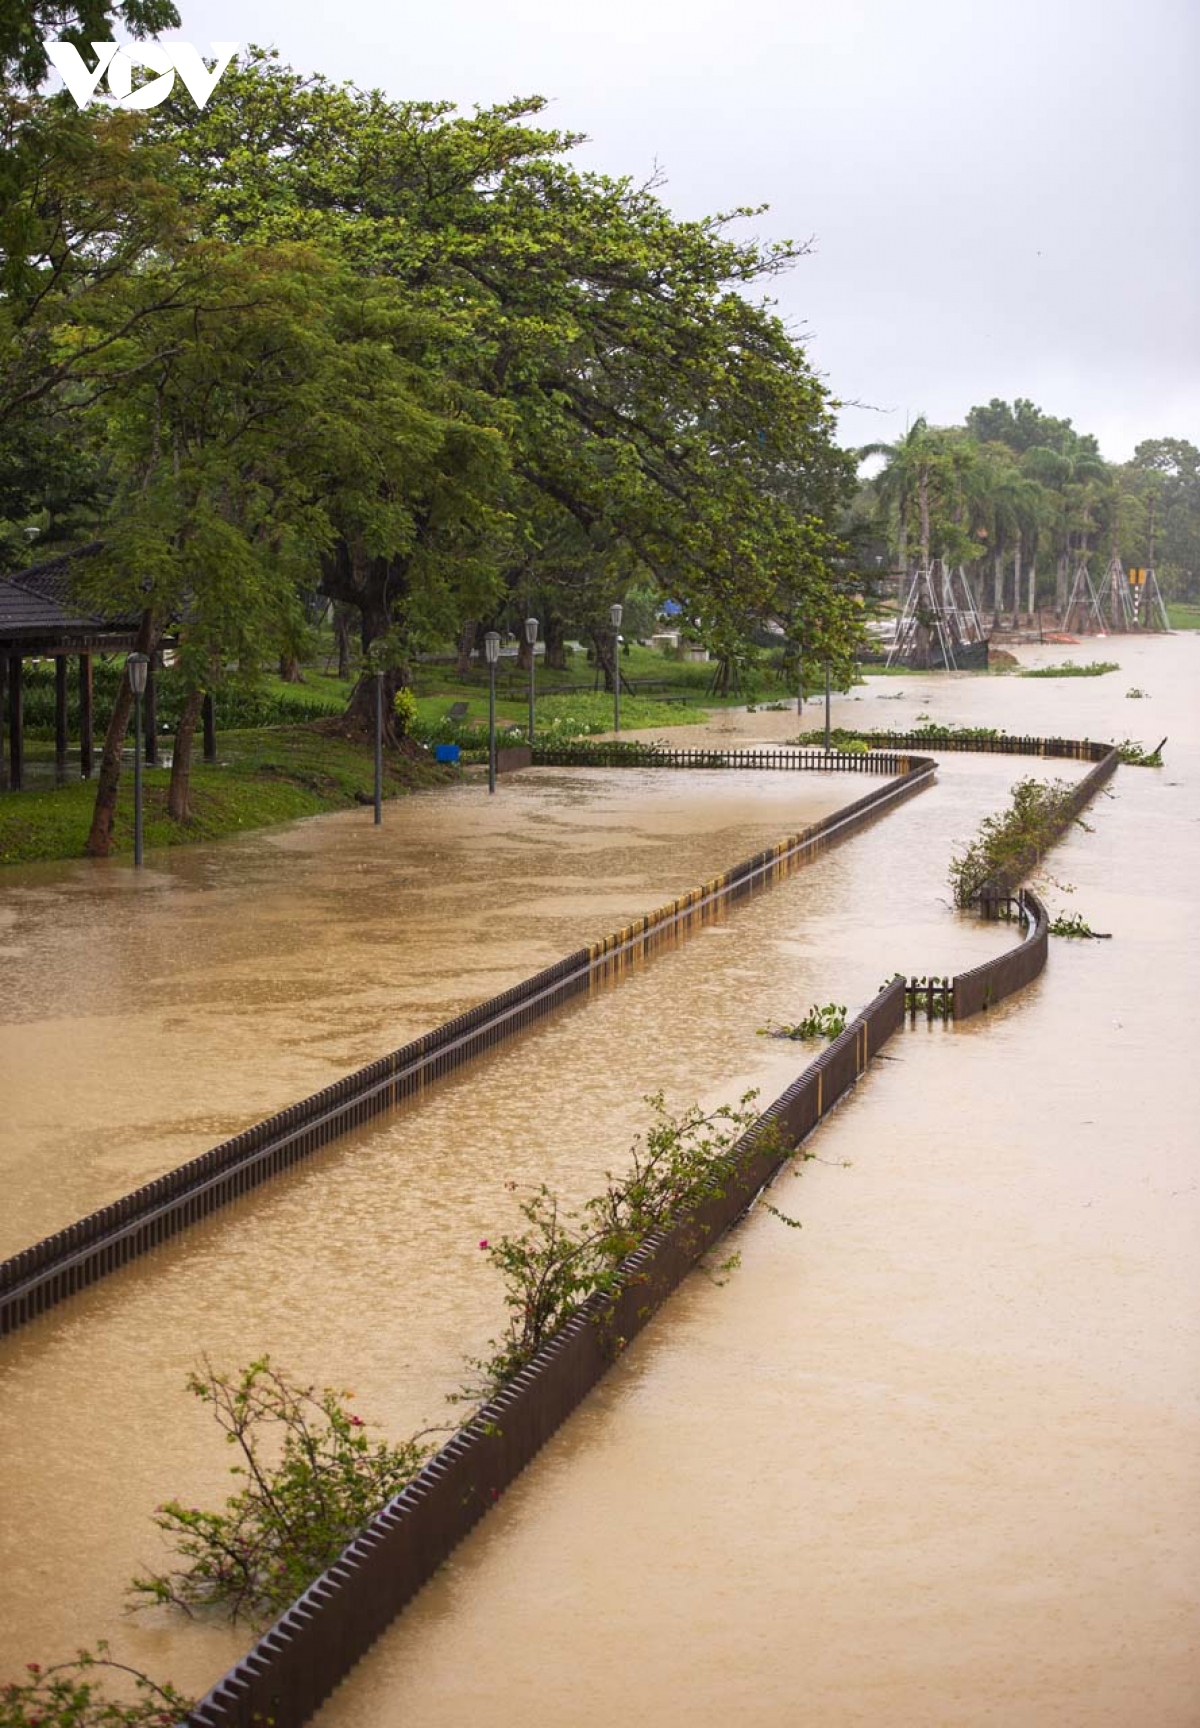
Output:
[[362, 1266], [829, 1483], [144, 1019], [934, 1459]]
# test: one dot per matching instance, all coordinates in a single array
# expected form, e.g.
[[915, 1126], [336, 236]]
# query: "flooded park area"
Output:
[[145, 1019], [930, 1459]]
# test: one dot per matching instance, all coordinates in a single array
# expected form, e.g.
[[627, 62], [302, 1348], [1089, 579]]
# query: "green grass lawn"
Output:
[[263, 777], [1184, 614]]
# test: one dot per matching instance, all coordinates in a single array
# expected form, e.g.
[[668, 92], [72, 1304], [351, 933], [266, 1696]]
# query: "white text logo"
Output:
[[117, 60]]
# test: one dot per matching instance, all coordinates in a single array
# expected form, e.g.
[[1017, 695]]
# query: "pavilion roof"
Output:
[[39, 604]]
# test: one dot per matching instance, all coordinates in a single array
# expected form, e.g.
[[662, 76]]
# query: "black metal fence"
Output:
[[613, 753]]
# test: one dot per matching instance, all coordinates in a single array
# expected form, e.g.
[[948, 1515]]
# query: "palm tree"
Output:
[[923, 479], [1070, 477]]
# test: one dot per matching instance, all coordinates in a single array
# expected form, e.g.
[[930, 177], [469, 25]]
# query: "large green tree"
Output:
[[645, 399]]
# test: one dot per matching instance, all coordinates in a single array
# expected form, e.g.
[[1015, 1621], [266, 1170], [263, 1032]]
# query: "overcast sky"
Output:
[[1003, 195]]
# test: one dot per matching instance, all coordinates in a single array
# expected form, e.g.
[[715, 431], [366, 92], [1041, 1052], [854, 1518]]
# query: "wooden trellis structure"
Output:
[[939, 620]]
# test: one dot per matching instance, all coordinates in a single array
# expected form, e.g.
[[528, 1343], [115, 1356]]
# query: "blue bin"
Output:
[[445, 752]]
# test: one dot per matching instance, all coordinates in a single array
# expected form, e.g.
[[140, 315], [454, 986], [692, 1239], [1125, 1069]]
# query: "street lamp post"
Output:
[[531, 630], [799, 678], [827, 707], [491, 649], [378, 748], [615, 615], [137, 666]]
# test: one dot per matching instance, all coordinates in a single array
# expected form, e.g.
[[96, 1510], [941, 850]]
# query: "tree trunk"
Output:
[[977, 580], [341, 631], [524, 652], [360, 710], [466, 646], [556, 644], [289, 669], [725, 680], [602, 643], [923, 495], [1032, 586], [1060, 584], [99, 841], [902, 547], [997, 586], [181, 760], [1016, 611]]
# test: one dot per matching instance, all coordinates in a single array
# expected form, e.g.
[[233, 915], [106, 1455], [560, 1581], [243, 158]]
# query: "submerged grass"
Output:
[[1071, 669]]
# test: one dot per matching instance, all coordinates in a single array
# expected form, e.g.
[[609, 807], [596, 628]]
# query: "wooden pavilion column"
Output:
[[87, 742], [210, 730], [60, 713], [150, 741], [16, 723], [3, 711]]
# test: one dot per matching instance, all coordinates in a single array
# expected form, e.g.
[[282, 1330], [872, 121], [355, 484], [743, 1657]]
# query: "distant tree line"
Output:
[[1019, 498]]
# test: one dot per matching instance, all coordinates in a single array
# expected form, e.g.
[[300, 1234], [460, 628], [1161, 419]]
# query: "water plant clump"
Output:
[[1073, 924], [1009, 845], [826, 1021], [1135, 755], [311, 1479], [1071, 669]]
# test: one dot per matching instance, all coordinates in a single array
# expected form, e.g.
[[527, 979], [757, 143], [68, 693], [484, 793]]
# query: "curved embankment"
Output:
[[316, 1642], [48, 1272]]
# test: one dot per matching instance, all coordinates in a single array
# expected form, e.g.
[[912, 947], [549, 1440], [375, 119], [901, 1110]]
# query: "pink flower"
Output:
[[484, 1243], [357, 1422]]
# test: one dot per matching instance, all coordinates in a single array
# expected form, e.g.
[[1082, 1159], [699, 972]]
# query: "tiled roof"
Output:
[[40, 601]]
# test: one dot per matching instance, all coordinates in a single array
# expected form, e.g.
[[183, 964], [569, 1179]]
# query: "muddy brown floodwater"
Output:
[[362, 1266], [144, 1020], [934, 1460], [932, 1455]]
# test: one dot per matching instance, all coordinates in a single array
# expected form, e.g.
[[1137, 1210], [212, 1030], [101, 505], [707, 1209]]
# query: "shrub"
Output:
[[825, 1022], [565, 1256], [71, 1695], [292, 1517], [1009, 845]]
